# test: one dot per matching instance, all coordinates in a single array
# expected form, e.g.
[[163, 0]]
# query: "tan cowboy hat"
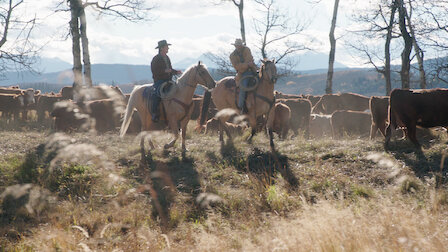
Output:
[[162, 43], [238, 42]]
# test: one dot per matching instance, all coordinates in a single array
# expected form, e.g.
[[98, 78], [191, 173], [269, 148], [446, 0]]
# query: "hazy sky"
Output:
[[193, 27]]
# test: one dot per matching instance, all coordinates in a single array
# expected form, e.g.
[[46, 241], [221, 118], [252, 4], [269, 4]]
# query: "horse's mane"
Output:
[[187, 71]]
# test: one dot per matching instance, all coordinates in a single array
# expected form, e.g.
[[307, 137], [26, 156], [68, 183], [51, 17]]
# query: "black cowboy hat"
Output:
[[162, 43]]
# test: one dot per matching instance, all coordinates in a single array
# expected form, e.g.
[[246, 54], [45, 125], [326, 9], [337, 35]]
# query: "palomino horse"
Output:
[[176, 110], [258, 102]]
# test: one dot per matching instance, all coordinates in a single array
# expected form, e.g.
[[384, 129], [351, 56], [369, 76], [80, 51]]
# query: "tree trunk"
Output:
[[418, 52], [405, 54], [76, 50], [387, 74], [329, 88], [85, 49], [242, 28]]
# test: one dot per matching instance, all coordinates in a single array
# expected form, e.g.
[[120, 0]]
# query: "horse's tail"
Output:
[[204, 110], [128, 114]]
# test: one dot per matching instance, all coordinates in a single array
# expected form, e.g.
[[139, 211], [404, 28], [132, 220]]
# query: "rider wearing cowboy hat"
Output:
[[243, 62], [162, 71]]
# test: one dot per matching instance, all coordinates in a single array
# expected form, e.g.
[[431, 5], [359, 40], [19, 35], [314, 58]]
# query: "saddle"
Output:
[[230, 83], [166, 92]]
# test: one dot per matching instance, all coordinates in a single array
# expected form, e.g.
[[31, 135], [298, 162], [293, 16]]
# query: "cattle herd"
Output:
[[101, 108]]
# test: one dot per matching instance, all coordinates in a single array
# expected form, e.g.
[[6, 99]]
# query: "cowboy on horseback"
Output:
[[162, 72], [243, 62]]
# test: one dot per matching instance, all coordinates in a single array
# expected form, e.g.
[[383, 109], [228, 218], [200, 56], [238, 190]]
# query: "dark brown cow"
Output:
[[45, 104], [11, 104], [329, 103], [68, 117], [281, 120], [379, 107], [106, 112], [410, 108], [300, 114], [350, 122]]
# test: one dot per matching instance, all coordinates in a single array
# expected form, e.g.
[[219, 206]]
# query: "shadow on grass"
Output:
[[265, 165], [164, 179], [423, 163]]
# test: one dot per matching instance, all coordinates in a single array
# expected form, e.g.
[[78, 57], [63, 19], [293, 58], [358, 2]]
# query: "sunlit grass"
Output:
[[326, 195]]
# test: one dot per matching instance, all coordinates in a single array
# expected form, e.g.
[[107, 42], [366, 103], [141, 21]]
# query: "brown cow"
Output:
[[196, 108], [379, 107], [350, 122], [313, 98], [320, 125], [280, 95], [410, 108], [94, 93], [28, 96], [106, 112], [329, 103], [281, 120], [67, 92], [300, 114], [212, 125]]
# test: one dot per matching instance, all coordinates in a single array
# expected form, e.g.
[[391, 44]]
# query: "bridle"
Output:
[[273, 78]]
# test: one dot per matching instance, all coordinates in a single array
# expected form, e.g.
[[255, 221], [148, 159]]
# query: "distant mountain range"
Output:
[[362, 80]]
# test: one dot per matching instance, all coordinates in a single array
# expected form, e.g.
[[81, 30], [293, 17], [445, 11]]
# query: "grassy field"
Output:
[[312, 195]]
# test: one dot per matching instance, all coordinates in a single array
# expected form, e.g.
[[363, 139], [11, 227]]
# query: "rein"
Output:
[[184, 106]]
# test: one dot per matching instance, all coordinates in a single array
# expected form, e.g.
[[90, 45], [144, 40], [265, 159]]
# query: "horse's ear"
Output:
[[199, 63], [263, 61], [273, 60]]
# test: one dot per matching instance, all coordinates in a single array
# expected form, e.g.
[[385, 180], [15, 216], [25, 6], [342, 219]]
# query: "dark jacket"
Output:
[[158, 66]]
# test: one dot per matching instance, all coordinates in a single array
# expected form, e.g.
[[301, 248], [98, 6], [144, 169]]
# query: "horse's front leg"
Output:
[[253, 126], [270, 126], [184, 135], [175, 130]]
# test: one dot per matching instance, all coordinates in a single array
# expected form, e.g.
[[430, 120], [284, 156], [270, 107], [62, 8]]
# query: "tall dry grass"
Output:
[[347, 195]]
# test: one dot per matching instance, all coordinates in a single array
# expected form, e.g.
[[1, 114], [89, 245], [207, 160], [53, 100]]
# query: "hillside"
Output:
[[313, 195], [362, 81]]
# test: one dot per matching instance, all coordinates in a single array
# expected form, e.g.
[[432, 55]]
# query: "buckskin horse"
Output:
[[259, 101], [176, 110]]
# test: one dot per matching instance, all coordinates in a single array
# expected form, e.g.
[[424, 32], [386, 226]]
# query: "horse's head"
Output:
[[269, 71], [203, 76]]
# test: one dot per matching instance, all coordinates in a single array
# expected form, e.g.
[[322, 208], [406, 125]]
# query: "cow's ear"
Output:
[[22, 92], [37, 92]]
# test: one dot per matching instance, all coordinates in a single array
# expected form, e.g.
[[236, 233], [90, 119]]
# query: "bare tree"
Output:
[[380, 24], [131, 10], [278, 34], [406, 53], [329, 87], [17, 52], [418, 51], [433, 29], [240, 5]]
